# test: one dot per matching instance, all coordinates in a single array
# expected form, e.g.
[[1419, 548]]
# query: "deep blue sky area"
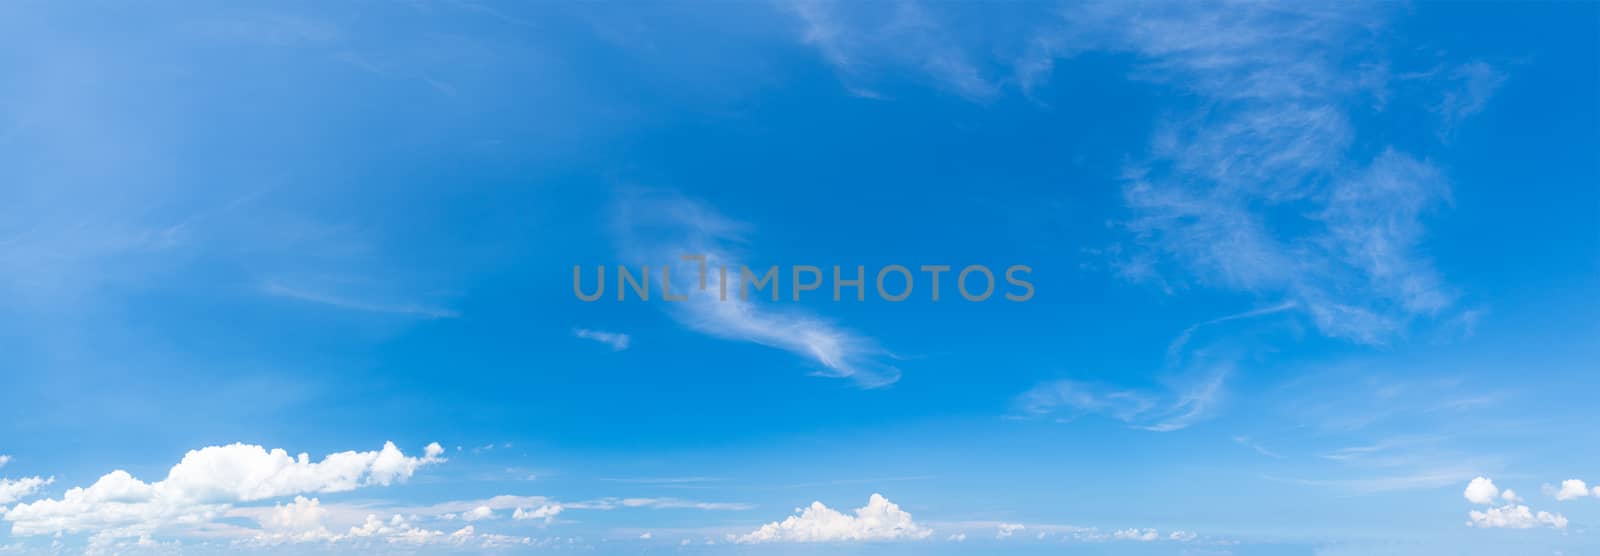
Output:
[[1307, 279]]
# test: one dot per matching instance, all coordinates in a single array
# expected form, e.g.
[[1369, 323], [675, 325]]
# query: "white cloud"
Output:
[[1246, 442], [204, 485], [480, 512], [1068, 532], [12, 490], [302, 520], [1137, 535], [1475, 83], [958, 537], [1005, 530], [305, 520], [865, 38], [879, 520], [616, 340], [1265, 186], [546, 512], [1481, 491], [1176, 408], [1514, 516], [655, 229], [1274, 132], [342, 302], [675, 503], [399, 530], [646, 536], [1570, 489], [1511, 515]]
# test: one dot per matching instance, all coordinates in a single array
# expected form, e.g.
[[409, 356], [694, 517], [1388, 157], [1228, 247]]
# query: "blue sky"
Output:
[[1309, 279]]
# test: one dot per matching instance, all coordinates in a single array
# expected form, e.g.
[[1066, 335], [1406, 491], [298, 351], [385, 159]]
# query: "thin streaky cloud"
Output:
[[618, 341], [1253, 445], [1176, 407], [656, 228], [1371, 485], [613, 503], [1183, 338], [892, 36], [660, 480], [1475, 83], [279, 290], [838, 482]]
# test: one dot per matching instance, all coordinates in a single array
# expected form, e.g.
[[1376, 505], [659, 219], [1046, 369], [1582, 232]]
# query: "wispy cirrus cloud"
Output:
[[1260, 187], [1174, 407], [618, 341], [1262, 182], [661, 480], [656, 228], [1475, 82], [862, 40], [355, 304], [1253, 445], [659, 504]]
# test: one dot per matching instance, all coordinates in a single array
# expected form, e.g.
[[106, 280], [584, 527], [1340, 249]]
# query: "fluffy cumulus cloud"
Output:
[[399, 529], [478, 513], [879, 520], [1569, 489], [1512, 515], [12, 490], [519, 507], [1481, 491], [304, 519], [207, 482], [355, 527]]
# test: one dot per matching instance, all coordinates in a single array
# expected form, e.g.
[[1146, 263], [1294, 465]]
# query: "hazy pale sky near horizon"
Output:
[[1308, 278]]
